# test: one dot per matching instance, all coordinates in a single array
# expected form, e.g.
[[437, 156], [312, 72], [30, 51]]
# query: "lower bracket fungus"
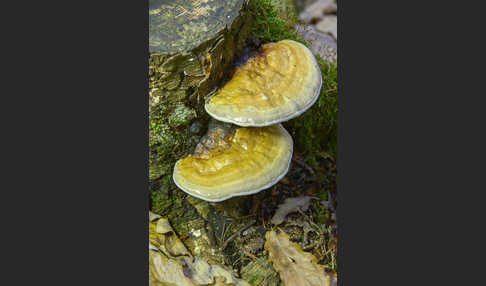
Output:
[[235, 161], [280, 82]]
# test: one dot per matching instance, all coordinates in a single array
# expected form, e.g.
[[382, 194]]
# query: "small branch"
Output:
[[249, 254], [237, 233], [332, 90], [309, 246]]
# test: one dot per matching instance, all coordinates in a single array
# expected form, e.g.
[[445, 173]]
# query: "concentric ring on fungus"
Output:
[[244, 162], [279, 83]]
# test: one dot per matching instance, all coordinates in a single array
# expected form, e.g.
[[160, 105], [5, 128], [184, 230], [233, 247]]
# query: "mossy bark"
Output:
[[191, 44]]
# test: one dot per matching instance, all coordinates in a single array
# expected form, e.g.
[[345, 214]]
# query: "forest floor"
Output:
[[313, 170], [307, 192]]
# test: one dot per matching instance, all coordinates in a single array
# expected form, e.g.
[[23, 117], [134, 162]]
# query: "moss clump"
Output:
[[271, 23], [167, 145], [162, 200], [320, 214], [260, 272], [315, 131]]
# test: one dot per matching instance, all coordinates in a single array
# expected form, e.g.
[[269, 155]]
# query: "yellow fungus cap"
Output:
[[243, 162], [277, 84]]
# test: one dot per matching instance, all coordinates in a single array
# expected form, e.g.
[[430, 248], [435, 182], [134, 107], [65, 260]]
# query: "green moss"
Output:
[[167, 144], [181, 115], [260, 272], [162, 201], [287, 10], [320, 214], [271, 23], [315, 131], [172, 204]]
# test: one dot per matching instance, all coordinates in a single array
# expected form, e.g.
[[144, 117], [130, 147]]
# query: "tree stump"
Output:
[[191, 43]]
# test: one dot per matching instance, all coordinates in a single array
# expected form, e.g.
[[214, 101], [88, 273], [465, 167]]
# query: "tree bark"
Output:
[[191, 44]]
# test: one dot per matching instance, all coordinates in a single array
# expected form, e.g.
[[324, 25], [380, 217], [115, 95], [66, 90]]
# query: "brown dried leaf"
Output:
[[203, 273], [220, 281], [296, 267], [163, 237], [164, 271], [171, 264]]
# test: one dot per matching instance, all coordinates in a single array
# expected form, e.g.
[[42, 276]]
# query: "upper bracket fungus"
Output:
[[235, 161], [279, 83]]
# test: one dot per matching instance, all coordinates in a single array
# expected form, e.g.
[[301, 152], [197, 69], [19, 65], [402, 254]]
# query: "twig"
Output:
[[249, 254], [309, 246], [237, 233], [245, 216]]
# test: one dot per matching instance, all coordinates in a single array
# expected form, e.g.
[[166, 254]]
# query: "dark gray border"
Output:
[[75, 138], [411, 148], [340, 211], [76, 167]]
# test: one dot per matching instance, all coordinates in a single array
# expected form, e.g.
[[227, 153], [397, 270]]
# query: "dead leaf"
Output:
[[166, 271], [171, 264], [153, 216], [163, 237], [296, 267], [203, 273], [220, 281]]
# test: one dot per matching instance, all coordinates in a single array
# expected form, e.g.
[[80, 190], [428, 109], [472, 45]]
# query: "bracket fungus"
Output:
[[278, 83], [235, 161]]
